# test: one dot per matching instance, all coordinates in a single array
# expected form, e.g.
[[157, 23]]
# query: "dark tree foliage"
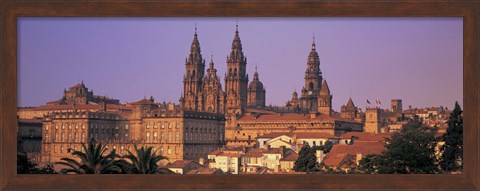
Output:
[[452, 150], [92, 161], [410, 151], [307, 160], [25, 166], [327, 147]]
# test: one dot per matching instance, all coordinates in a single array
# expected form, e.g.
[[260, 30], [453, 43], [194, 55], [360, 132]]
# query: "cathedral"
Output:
[[204, 93], [240, 100]]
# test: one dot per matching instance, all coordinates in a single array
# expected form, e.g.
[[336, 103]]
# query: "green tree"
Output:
[[26, 166], [144, 161], [307, 161], [410, 151], [452, 150], [92, 161], [327, 147]]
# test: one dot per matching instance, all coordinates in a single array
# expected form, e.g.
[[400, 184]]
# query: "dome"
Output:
[[255, 85]]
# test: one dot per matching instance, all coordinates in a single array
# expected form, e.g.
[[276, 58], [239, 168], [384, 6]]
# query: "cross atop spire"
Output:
[[313, 42], [236, 26], [195, 28]]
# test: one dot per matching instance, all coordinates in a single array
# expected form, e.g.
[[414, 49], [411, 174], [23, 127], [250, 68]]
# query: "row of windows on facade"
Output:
[[61, 137], [188, 136], [273, 124], [93, 115], [123, 149], [83, 125]]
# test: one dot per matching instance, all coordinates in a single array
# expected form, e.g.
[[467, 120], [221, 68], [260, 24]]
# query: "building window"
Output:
[[61, 149], [148, 125], [76, 125], [46, 127], [163, 124], [169, 124], [161, 150], [155, 125], [83, 125], [69, 126], [63, 137], [155, 135], [148, 136], [56, 126], [46, 138], [126, 126], [63, 126], [76, 136], [168, 150], [162, 136], [169, 137], [314, 143], [83, 136]]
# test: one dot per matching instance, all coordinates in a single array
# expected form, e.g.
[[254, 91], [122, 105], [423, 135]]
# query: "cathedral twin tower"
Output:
[[203, 92]]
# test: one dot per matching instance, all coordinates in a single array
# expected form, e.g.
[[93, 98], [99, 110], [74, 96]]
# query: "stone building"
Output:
[[174, 133], [256, 92], [313, 82], [30, 138], [396, 105], [349, 111]]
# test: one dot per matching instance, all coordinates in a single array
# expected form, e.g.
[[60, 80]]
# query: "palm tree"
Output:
[[92, 161], [144, 161]]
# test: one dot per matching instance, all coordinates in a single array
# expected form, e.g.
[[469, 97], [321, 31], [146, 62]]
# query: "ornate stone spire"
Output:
[[325, 90], [236, 54]]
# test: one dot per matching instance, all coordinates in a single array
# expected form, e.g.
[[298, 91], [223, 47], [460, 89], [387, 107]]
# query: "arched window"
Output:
[[310, 86]]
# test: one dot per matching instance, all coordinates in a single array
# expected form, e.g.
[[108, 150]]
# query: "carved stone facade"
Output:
[[236, 78]]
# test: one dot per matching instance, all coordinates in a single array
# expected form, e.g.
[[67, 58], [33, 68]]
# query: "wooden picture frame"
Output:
[[11, 10]]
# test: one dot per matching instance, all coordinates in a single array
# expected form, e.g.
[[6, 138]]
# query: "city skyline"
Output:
[[143, 57]]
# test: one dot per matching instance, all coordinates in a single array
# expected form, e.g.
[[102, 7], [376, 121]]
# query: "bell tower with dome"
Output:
[[313, 82]]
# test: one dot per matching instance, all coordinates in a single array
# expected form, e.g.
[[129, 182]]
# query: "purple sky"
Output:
[[418, 60]]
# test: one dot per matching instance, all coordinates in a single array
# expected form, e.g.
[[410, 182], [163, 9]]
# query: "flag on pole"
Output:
[[368, 101]]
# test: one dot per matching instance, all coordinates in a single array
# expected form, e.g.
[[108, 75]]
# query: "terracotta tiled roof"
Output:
[[275, 134], [300, 135], [366, 137], [284, 117], [274, 151], [79, 107], [293, 156], [364, 148], [215, 152], [204, 170], [179, 164], [230, 154], [256, 152], [303, 135], [335, 159]]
